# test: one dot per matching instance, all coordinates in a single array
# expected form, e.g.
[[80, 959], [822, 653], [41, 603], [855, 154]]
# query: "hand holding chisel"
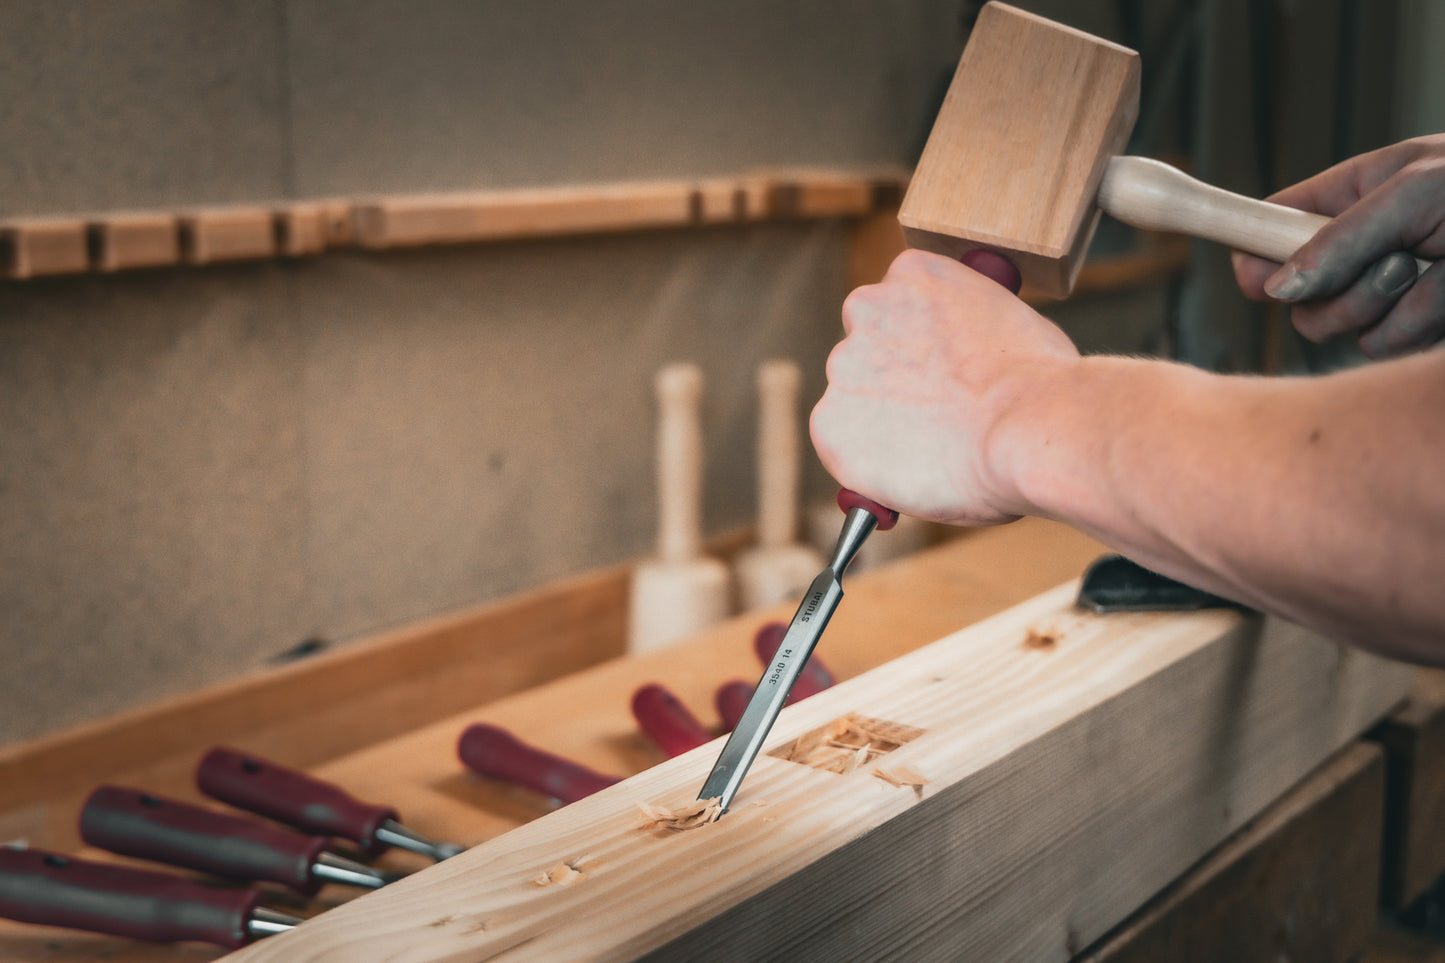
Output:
[[49, 889], [134, 823], [308, 804]]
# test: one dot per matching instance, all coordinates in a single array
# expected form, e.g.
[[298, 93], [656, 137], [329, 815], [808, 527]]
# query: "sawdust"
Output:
[[847, 743], [696, 814], [1046, 635]]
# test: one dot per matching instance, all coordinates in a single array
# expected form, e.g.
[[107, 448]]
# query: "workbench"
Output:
[[1300, 879]]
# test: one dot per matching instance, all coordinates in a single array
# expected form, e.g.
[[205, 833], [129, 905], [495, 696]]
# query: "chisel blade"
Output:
[[817, 607], [747, 737]]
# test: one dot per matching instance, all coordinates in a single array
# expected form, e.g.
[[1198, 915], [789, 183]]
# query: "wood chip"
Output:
[[847, 743], [698, 813], [901, 776]]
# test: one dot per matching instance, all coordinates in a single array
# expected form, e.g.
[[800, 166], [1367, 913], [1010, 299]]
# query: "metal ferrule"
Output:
[[335, 869], [268, 922], [393, 833]]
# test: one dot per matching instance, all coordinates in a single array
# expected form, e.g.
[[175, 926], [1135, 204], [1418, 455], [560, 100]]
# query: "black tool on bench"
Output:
[[1113, 583], [141, 824], [50, 889]]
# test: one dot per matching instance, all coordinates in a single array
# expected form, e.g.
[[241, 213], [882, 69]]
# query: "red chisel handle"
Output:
[[731, 700], [497, 754], [54, 890], [287, 796], [849, 499], [135, 823], [995, 267], [666, 721], [814, 677]]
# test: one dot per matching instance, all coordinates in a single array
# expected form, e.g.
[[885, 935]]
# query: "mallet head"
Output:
[[1013, 163]]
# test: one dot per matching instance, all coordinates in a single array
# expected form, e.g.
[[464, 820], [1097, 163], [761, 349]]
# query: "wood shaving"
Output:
[[847, 744], [901, 776], [696, 814]]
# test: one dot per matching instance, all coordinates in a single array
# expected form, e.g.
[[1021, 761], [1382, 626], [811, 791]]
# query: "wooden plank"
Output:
[[126, 240], [43, 246], [820, 193], [219, 234], [1065, 785], [1414, 740], [303, 228], [1298, 883], [317, 709], [493, 215]]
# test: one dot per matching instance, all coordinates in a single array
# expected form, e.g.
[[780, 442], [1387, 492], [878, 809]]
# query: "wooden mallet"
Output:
[[1022, 158], [779, 567], [681, 590]]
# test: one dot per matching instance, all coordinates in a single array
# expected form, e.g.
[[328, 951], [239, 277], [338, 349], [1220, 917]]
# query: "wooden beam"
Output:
[[1062, 786], [1298, 883], [1414, 739], [491, 215]]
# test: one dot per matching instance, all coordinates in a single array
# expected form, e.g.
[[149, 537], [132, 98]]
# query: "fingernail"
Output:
[[1394, 274], [1286, 285]]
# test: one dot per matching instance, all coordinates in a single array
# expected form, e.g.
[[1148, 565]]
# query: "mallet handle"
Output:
[[1150, 194]]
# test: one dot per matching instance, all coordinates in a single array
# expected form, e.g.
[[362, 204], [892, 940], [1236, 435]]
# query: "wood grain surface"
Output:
[[1065, 786]]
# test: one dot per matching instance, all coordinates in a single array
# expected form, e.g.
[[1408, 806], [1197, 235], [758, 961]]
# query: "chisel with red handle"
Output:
[[141, 824], [494, 752], [308, 804], [666, 721], [50, 889], [806, 628], [731, 699]]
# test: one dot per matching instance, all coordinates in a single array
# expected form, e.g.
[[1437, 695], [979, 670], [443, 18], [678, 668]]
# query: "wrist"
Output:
[[1052, 447]]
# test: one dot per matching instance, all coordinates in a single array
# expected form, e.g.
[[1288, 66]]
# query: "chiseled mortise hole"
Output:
[[848, 743]]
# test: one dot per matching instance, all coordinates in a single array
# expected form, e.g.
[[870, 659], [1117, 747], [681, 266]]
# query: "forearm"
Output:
[[1319, 499]]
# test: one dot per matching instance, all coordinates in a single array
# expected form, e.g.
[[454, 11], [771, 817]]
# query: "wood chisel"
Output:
[[51, 889], [495, 753], [664, 719], [134, 823], [731, 701], [807, 626], [308, 804], [814, 677]]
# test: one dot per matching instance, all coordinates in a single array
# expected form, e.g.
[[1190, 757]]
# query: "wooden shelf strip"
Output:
[[124, 240]]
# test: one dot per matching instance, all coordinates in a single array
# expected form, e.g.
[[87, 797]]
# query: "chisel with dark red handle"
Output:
[[54, 890], [781, 674], [141, 824], [308, 804], [494, 752], [661, 715]]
